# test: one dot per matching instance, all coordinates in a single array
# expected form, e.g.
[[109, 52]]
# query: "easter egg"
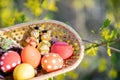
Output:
[[23, 71], [51, 62], [9, 61], [63, 49], [31, 55]]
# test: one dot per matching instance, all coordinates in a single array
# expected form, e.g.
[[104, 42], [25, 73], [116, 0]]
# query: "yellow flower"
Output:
[[34, 6], [46, 18], [105, 34], [78, 5], [45, 4], [38, 11], [5, 13], [85, 64], [102, 66], [110, 16], [18, 15], [109, 51], [92, 51], [52, 6], [11, 21], [4, 3], [117, 25], [112, 73]]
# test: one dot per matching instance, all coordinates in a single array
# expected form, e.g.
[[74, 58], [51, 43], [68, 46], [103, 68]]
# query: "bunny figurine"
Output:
[[44, 45]]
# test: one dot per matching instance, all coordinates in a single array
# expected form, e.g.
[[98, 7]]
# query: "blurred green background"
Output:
[[86, 17]]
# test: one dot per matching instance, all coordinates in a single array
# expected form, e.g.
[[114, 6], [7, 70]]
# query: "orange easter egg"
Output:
[[51, 62], [31, 55]]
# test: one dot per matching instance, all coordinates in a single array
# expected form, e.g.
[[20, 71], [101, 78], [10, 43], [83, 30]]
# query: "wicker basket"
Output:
[[60, 31]]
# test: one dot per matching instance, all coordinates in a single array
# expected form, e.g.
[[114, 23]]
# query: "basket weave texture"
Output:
[[60, 31]]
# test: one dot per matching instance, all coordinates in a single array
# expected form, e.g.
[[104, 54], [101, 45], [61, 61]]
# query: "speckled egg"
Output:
[[31, 55], [9, 61], [63, 49], [51, 62]]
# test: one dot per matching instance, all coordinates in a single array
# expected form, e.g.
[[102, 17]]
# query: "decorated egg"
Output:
[[51, 62], [31, 55], [63, 49], [9, 61], [23, 71]]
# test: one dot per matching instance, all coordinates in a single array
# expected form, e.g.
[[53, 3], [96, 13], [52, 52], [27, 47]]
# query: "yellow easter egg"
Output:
[[23, 71]]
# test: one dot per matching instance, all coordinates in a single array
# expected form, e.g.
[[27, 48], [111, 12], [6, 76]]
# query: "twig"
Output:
[[102, 44], [117, 50]]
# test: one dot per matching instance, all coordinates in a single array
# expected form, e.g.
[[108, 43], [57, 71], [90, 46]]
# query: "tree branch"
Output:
[[102, 44], [114, 49]]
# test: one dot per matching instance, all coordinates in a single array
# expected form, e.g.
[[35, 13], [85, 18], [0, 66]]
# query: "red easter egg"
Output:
[[31, 55], [51, 62], [9, 61], [63, 49]]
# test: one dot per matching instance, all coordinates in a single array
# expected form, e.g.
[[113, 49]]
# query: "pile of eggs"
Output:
[[23, 65]]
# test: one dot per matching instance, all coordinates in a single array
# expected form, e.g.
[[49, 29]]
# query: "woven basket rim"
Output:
[[42, 77]]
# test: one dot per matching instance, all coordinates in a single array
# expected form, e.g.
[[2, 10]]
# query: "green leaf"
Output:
[[50, 78], [115, 32], [60, 77], [23, 18], [73, 75], [105, 25]]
